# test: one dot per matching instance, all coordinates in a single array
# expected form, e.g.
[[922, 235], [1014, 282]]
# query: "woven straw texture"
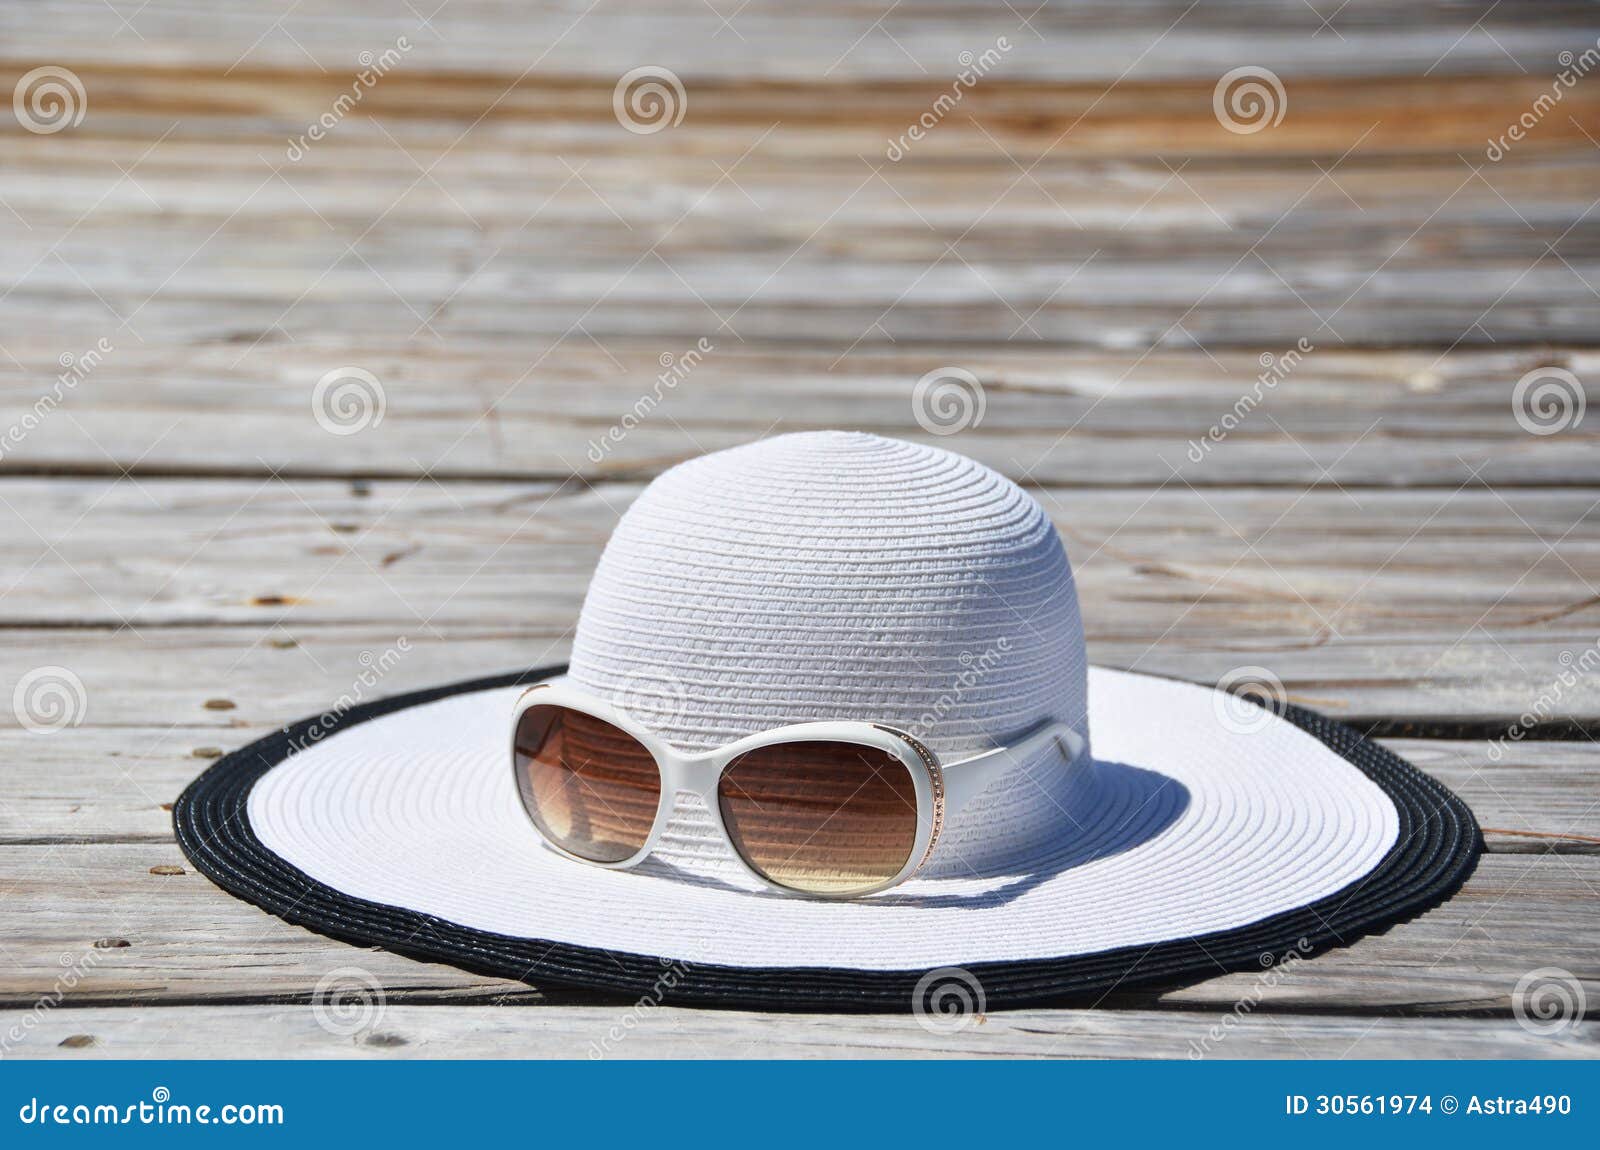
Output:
[[840, 575], [1188, 829]]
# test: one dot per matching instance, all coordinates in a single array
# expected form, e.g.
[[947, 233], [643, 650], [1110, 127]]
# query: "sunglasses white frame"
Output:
[[942, 789]]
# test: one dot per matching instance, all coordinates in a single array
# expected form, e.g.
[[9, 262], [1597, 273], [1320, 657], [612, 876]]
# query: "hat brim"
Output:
[[395, 824]]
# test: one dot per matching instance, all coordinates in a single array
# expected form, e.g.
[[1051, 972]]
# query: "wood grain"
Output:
[[1127, 220], [1081, 419], [277, 672], [399, 1030], [1099, 41], [1336, 592]]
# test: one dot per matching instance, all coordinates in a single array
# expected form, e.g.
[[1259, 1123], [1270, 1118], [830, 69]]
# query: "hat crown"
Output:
[[834, 575]]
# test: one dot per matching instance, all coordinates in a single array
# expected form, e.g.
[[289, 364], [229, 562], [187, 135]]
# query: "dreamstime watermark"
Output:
[[1548, 1001], [973, 69], [158, 1110], [653, 696], [74, 370], [1573, 669], [1248, 99], [674, 370], [373, 669], [1274, 370], [348, 400], [373, 68], [1247, 699], [948, 400], [648, 99], [48, 99], [1275, 970], [974, 669], [49, 699], [1573, 69], [948, 1000], [672, 973], [348, 1001], [1548, 400], [74, 967]]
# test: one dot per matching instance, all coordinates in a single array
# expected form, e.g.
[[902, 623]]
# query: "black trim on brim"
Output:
[[1437, 848]]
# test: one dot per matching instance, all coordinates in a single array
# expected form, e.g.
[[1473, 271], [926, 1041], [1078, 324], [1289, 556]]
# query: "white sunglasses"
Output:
[[829, 810]]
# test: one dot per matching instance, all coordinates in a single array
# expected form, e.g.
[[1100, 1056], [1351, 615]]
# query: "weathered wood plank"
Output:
[[561, 219], [767, 39], [795, 171], [403, 1031], [1533, 798], [1338, 593], [932, 297], [1076, 418], [483, 115], [1482, 684], [1273, 564], [1464, 956], [523, 203], [1239, 306], [186, 941]]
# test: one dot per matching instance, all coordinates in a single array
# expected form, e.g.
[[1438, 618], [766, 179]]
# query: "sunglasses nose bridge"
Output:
[[696, 774]]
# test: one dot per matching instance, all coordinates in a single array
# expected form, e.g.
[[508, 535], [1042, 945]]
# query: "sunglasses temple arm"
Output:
[[967, 779]]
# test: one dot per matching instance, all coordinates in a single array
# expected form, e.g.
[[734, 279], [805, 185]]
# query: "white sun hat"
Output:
[[827, 577]]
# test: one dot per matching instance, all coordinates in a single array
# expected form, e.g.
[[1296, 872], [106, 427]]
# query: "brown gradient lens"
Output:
[[821, 817], [592, 788]]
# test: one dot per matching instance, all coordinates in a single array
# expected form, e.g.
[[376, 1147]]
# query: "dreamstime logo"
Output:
[[48, 699], [654, 697], [673, 971], [49, 99], [1574, 668], [948, 1000], [348, 1001], [1573, 68], [159, 1110], [373, 669], [1548, 400], [674, 370], [75, 369], [374, 66], [948, 400], [1548, 1000], [348, 400], [1248, 99], [1274, 370], [649, 99], [74, 969], [1275, 969], [1247, 699], [974, 669], [974, 67]]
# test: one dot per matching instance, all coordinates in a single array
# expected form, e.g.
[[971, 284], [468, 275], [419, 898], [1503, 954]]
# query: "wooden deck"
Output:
[[192, 557]]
